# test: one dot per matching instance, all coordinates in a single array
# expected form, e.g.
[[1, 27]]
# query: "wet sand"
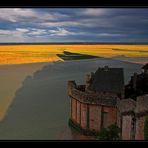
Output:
[[11, 78], [39, 109]]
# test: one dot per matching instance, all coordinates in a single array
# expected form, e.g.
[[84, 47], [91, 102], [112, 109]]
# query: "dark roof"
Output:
[[108, 79], [145, 66]]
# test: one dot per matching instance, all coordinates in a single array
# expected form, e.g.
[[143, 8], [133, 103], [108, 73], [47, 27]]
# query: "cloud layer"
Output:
[[74, 24]]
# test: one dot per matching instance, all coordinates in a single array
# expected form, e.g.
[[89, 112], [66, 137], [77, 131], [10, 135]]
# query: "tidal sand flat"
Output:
[[140, 60], [33, 96], [20, 54], [11, 78], [40, 107]]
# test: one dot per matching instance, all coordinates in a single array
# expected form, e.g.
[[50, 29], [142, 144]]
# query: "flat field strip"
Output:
[[19, 54]]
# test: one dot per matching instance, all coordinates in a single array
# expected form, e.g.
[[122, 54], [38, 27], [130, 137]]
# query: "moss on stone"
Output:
[[86, 132], [146, 129]]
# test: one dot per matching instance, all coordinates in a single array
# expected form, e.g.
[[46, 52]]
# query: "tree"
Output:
[[110, 133], [146, 129]]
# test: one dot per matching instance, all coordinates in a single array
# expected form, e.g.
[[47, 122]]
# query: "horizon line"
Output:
[[54, 43]]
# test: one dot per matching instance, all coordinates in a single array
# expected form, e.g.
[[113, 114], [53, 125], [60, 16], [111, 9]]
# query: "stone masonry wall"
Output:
[[109, 104], [102, 98], [110, 116], [140, 128], [78, 112], [84, 116], [94, 117], [126, 127], [86, 112], [73, 101]]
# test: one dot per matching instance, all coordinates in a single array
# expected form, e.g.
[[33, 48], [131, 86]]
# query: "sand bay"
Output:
[[18, 62], [20, 54]]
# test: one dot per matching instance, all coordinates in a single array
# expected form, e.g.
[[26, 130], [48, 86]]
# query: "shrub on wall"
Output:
[[146, 129], [103, 134], [83, 131], [110, 133]]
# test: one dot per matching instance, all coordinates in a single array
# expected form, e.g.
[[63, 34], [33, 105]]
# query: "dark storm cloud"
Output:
[[74, 24]]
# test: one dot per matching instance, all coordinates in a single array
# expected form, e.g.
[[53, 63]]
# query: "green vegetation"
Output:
[[110, 133], [146, 129], [75, 126], [75, 56]]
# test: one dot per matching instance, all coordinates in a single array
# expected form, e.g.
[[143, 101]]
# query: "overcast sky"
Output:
[[74, 25]]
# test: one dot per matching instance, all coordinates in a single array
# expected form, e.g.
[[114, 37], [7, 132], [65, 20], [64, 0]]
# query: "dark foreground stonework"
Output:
[[95, 106]]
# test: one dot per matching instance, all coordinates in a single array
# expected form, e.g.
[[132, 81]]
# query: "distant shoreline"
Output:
[[33, 63], [73, 43]]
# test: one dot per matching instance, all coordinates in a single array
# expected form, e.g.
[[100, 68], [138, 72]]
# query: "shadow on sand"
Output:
[[40, 109], [75, 56]]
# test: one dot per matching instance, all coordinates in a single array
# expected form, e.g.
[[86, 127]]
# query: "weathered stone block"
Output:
[[140, 128], [74, 113], [94, 117], [84, 116], [78, 112], [126, 127], [109, 116]]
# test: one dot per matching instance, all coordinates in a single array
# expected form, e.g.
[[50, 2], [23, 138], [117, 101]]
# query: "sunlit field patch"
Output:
[[19, 54]]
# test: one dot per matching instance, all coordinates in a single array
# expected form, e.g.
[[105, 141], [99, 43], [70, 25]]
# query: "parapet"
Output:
[[142, 105], [71, 84], [139, 107], [126, 106], [102, 98]]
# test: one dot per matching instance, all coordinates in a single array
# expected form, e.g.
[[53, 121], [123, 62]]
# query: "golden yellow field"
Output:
[[18, 54]]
